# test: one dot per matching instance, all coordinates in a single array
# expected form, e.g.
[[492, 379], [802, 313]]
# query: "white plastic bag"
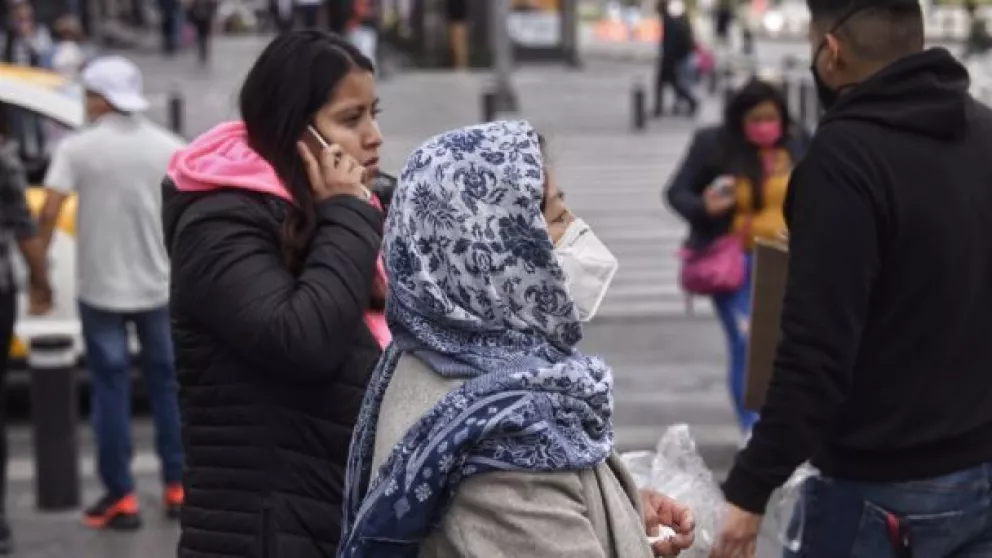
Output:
[[785, 502], [676, 470]]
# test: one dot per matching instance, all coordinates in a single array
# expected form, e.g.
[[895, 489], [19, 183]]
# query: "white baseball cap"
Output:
[[118, 80]]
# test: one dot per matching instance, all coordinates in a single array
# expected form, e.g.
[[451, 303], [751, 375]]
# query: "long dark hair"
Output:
[[295, 75], [740, 156]]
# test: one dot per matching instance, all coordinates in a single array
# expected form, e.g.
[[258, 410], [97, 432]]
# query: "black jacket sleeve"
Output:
[[229, 276], [685, 190], [15, 216], [834, 223]]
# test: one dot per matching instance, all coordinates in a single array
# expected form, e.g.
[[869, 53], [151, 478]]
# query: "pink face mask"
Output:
[[763, 134]]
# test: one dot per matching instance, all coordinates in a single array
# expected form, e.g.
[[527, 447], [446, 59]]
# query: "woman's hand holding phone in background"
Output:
[[718, 198]]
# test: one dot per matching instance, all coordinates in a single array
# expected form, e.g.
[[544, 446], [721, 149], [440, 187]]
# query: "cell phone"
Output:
[[724, 185], [317, 135]]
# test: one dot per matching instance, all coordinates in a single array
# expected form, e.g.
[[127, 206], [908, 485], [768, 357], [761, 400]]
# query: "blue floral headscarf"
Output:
[[476, 292]]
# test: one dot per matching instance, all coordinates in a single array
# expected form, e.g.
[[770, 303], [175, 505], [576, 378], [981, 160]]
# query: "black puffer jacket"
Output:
[[272, 369]]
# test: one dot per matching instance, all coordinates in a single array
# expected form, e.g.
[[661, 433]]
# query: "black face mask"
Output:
[[827, 96]]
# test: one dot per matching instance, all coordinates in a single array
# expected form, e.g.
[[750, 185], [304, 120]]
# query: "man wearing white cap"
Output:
[[116, 165]]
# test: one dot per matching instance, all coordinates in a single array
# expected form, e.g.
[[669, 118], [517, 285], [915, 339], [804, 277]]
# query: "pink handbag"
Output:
[[719, 268]]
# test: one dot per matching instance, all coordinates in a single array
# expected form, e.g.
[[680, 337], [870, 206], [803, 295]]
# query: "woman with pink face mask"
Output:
[[734, 179]]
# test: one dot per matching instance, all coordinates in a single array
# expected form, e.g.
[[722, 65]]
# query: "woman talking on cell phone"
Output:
[[277, 294]]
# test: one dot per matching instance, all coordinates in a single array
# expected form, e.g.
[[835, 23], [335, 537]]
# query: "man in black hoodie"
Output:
[[883, 377]]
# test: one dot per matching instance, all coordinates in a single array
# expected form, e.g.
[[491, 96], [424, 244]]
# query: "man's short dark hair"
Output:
[[874, 33]]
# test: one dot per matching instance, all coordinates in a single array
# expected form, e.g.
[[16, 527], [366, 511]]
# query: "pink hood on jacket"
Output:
[[221, 158]]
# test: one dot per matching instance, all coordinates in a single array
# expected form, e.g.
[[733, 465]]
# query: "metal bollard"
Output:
[[496, 103], [789, 93], [805, 110], [489, 102], [55, 418], [789, 62], [176, 112], [728, 85], [638, 108], [747, 42]]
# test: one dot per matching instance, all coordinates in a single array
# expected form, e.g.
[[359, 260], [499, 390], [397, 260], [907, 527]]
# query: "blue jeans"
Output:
[[734, 312], [946, 517], [109, 363]]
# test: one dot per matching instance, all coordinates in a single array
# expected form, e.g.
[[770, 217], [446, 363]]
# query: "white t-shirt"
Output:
[[116, 165]]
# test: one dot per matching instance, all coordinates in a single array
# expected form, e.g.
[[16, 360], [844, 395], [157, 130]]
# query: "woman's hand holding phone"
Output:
[[718, 198], [332, 172]]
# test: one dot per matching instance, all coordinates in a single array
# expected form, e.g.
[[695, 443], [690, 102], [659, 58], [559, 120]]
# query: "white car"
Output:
[[58, 104]]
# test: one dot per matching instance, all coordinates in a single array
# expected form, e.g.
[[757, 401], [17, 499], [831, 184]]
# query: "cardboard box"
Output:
[[771, 270]]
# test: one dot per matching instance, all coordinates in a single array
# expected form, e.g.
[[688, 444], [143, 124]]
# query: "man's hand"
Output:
[[39, 289], [662, 511], [39, 297], [739, 538]]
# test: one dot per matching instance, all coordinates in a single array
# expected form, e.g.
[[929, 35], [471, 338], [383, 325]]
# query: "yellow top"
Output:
[[769, 221]]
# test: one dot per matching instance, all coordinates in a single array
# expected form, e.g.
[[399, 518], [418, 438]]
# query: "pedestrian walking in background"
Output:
[[677, 46], [282, 14], [731, 187], [277, 300], [200, 13], [307, 13], [338, 15], [69, 54], [17, 227], [978, 40], [114, 165], [485, 432], [363, 30], [882, 373], [28, 43], [723, 18], [170, 12], [457, 12]]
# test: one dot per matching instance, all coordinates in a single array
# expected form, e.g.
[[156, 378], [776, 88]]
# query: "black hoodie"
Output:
[[884, 372]]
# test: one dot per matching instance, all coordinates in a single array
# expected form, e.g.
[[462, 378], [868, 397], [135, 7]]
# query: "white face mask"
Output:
[[589, 267]]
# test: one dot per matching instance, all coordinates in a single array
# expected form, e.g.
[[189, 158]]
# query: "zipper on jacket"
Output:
[[266, 531]]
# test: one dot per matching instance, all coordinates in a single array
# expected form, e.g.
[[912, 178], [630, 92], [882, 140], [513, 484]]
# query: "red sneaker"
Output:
[[173, 499], [113, 512]]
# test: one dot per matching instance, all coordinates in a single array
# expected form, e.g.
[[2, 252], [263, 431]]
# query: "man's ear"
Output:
[[833, 52]]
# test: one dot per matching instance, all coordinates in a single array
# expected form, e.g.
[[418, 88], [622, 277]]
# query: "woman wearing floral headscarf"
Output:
[[484, 432]]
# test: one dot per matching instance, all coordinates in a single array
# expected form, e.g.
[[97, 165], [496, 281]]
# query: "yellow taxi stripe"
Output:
[[67, 219], [41, 78]]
